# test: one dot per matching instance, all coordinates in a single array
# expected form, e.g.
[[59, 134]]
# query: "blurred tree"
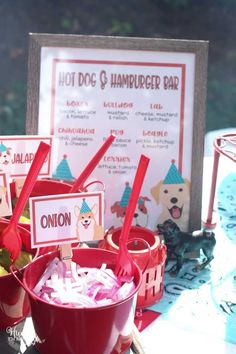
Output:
[[12, 109]]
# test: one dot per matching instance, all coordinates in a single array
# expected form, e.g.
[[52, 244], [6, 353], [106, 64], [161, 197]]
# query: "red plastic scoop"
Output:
[[125, 263], [10, 238], [92, 164], [65, 250]]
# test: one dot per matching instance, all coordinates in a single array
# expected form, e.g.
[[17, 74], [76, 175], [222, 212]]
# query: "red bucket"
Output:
[[151, 261], [100, 330], [14, 303], [45, 187]]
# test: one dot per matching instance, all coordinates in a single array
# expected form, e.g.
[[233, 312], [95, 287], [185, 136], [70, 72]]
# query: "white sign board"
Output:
[[5, 196], [146, 97], [66, 218], [17, 153]]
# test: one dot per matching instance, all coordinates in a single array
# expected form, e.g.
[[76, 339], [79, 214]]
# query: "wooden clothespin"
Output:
[[19, 182], [136, 345], [66, 255]]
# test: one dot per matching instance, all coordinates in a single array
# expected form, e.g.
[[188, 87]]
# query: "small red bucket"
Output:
[[45, 187], [100, 330], [151, 261], [14, 303]]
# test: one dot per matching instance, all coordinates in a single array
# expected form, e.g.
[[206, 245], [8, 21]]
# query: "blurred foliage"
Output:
[[177, 3], [221, 104], [119, 28], [12, 109], [212, 20]]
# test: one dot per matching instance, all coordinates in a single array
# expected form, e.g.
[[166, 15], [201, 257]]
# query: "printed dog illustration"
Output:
[[141, 213], [179, 243], [4, 207], [140, 216], [87, 227], [173, 195], [5, 159]]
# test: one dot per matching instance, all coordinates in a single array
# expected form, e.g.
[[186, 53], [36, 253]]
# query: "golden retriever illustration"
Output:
[[4, 207], [173, 195], [87, 228]]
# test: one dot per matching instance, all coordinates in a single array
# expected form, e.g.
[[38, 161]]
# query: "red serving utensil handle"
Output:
[[10, 238], [39, 158], [136, 188], [92, 164]]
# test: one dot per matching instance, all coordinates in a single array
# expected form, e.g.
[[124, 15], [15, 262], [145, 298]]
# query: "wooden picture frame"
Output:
[[187, 58]]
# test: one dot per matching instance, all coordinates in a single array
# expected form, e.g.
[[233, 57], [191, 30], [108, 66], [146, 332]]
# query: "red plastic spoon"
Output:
[[125, 263], [92, 164], [10, 238]]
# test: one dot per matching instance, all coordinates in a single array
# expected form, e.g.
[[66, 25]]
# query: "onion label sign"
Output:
[[66, 218]]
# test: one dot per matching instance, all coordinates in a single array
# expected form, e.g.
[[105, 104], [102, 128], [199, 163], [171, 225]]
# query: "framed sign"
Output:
[[150, 93]]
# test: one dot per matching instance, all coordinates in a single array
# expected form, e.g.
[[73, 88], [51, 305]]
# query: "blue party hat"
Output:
[[2, 147], [173, 176], [126, 195], [63, 171], [84, 207]]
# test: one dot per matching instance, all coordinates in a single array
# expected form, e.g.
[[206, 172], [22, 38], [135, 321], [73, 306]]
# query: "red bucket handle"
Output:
[[149, 250], [15, 271], [85, 188], [163, 249]]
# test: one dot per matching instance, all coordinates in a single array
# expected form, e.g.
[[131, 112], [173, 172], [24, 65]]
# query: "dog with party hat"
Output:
[[5, 159], [87, 228], [173, 196], [141, 212]]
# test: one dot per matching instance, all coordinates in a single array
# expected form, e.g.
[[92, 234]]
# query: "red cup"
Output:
[[14, 302], [151, 261], [94, 330]]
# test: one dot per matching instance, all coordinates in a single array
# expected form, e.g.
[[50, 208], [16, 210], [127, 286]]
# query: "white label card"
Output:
[[17, 154], [66, 218], [5, 196]]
